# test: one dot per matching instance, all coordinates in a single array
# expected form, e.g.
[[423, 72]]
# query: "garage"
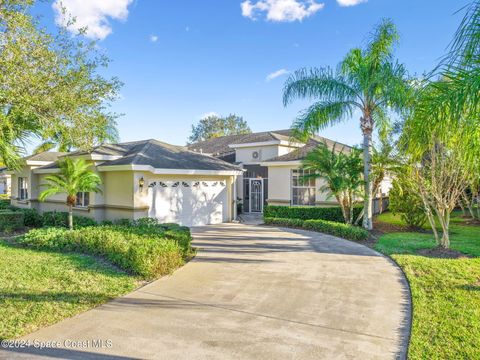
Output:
[[189, 202]]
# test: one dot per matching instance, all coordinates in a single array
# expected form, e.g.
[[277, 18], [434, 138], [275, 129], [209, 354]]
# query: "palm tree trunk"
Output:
[[367, 129], [70, 217]]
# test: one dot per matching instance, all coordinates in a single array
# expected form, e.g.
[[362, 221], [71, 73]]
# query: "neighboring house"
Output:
[[5, 183], [142, 178], [272, 164]]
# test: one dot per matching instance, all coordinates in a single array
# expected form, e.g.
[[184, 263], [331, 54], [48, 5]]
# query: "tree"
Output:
[[342, 172], [405, 200], [74, 177], [367, 80], [214, 126], [440, 154], [50, 85], [441, 132]]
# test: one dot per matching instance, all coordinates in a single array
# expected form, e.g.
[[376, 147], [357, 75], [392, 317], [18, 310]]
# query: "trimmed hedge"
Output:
[[4, 204], [11, 221], [337, 229], [149, 252], [297, 223], [328, 227], [60, 219], [333, 213]]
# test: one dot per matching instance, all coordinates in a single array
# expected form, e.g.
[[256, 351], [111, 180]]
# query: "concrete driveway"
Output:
[[252, 292]]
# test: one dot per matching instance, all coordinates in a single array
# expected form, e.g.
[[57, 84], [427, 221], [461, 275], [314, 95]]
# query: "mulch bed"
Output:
[[441, 253]]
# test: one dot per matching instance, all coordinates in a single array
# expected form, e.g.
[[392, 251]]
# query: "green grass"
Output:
[[445, 292], [39, 288]]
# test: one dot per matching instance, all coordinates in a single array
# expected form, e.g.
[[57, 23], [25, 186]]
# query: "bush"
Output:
[[10, 221], [333, 228], [60, 219], [4, 204], [32, 217], [407, 203], [333, 213], [147, 251], [284, 222], [328, 227]]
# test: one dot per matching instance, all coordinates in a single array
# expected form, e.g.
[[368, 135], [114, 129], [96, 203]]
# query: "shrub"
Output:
[[284, 222], [333, 213], [143, 250], [407, 203], [328, 227], [32, 217], [4, 204], [11, 221], [60, 219], [333, 228]]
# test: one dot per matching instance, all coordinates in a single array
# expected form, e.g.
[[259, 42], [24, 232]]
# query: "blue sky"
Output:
[[180, 60]]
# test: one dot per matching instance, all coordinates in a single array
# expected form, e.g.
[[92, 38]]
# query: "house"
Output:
[[272, 168], [4, 181], [139, 179], [194, 185]]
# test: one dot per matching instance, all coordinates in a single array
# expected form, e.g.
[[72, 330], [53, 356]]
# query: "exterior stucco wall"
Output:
[[121, 196], [244, 155], [32, 185], [280, 187]]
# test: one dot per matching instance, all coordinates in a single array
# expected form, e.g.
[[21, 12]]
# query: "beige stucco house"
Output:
[[139, 179], [272, 167], [195, 185]]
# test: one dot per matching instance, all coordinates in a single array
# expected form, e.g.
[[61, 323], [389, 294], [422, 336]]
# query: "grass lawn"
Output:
[[39, 288], [445, 292]]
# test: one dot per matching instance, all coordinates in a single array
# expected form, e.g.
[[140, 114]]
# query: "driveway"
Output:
[[252, 292]]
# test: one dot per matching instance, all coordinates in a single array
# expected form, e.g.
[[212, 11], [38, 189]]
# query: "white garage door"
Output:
[[189, 203]]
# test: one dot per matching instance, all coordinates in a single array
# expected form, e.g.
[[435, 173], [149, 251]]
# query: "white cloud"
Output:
[[95, 15], [350, 2], [276, 74], [281, 10], [208, 114], [153, 38]]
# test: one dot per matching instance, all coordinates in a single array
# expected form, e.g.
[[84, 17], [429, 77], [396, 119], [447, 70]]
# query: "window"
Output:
[[303, 191], [23, 188], [83, 199]]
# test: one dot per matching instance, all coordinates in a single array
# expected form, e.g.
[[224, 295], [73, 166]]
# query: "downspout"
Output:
[[234, 202]]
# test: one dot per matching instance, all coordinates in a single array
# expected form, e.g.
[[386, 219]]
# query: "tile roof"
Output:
[[45, 156], [156, 154], [220, 146], [161, 155], [300, 153]]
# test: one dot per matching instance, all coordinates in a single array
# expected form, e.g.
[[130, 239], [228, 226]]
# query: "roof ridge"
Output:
[[144, 148]]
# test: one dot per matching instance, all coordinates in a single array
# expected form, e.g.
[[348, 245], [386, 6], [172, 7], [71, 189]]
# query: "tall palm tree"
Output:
[[74, 177], [368, 80]]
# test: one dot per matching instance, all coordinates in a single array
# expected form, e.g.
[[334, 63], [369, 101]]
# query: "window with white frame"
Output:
[[303, 190], [23, 188], [83, 199]]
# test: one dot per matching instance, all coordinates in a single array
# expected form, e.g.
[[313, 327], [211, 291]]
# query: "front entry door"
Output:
[[256, 195]]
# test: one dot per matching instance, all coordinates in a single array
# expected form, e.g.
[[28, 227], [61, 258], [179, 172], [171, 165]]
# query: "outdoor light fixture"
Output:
[[141, 183]]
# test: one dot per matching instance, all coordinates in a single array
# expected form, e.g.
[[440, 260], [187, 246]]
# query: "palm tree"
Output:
[[74, 177], [342, 172], [368, 80]]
